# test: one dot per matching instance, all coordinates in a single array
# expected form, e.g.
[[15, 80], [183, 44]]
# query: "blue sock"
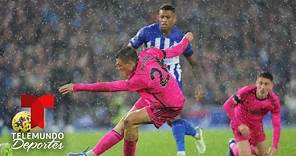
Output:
[[189, 129], [178, 129]]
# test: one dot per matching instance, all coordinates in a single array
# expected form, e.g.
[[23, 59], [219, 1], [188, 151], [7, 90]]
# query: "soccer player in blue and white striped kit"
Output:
[[162, 35]]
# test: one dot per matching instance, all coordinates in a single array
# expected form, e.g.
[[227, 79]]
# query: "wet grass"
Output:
[[159, 143]]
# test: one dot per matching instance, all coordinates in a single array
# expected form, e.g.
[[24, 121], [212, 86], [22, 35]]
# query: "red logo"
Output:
[[37, 105]]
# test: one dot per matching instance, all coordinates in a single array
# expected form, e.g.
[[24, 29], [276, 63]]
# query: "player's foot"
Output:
[[84, 153], [231, 142], [77, 154], [200, 143], [5, 149]]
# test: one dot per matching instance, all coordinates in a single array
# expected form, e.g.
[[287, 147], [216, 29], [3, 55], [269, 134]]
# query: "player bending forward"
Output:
[[246, 110], [161, 99]]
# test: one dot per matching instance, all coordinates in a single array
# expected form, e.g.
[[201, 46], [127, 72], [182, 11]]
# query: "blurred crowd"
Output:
[[47, 43]]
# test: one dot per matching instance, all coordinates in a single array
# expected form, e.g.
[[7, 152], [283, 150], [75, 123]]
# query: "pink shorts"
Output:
[[256, 135], [158, 114], [141, 103]]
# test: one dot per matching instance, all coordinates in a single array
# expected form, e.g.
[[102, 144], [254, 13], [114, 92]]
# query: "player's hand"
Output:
[[271, 151], [189, 36], [244, 129], [67, 88]]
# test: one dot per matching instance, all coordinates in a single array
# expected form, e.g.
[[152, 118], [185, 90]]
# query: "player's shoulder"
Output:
[[149, 30], [151, 27], [176, 34], [176, 31], [245, 90], [274, 96]]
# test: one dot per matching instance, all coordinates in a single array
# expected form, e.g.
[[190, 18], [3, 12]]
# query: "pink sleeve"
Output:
[[138, 82], [114, 86], [229, 107], [235, 99], [276, 122], [177, 49]]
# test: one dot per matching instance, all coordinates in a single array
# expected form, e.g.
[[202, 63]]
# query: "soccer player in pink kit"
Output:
[[246, 110], [161, 98]]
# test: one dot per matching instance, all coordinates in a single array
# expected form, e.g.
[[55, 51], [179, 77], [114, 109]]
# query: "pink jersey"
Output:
[[245, 108], [150, 79]]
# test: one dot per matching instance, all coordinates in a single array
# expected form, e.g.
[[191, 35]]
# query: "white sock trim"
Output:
[[90, 153], [181, 153], [197, 134], [231, 145]]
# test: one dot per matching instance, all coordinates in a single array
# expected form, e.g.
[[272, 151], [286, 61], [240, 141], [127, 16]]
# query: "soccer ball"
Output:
[[21, 122]]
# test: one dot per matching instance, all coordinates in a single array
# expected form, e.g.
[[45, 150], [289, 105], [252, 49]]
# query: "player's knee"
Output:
[[244, 153], [131, 136], [128, 122]]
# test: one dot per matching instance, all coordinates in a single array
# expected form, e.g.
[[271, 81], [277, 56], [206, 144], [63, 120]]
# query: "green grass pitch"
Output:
[[160, 143]]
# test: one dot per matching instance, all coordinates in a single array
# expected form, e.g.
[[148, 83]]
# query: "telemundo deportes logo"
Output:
[[40, 140], [23, 122]]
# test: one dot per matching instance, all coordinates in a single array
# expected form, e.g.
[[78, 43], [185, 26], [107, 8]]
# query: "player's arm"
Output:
[[136, 41], [276, 124], [235, 99], [135, 83], [179, 48], [121, 85], [197, 68], [229, 105], [173, 51]]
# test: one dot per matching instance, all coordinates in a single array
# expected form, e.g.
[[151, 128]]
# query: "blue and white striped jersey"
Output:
[[151, 36]]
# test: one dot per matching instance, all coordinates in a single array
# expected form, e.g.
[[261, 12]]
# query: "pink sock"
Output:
[[235, 150], [129, 148], [107, 141]]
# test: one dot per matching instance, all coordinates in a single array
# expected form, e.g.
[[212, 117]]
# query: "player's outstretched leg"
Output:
[[197, 133], [77, 154], [110, 139], [5, 149], [129, 148], [233, 149], [245, 148], [178, 129], [84, 153], [131, 132], [107, 141]]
